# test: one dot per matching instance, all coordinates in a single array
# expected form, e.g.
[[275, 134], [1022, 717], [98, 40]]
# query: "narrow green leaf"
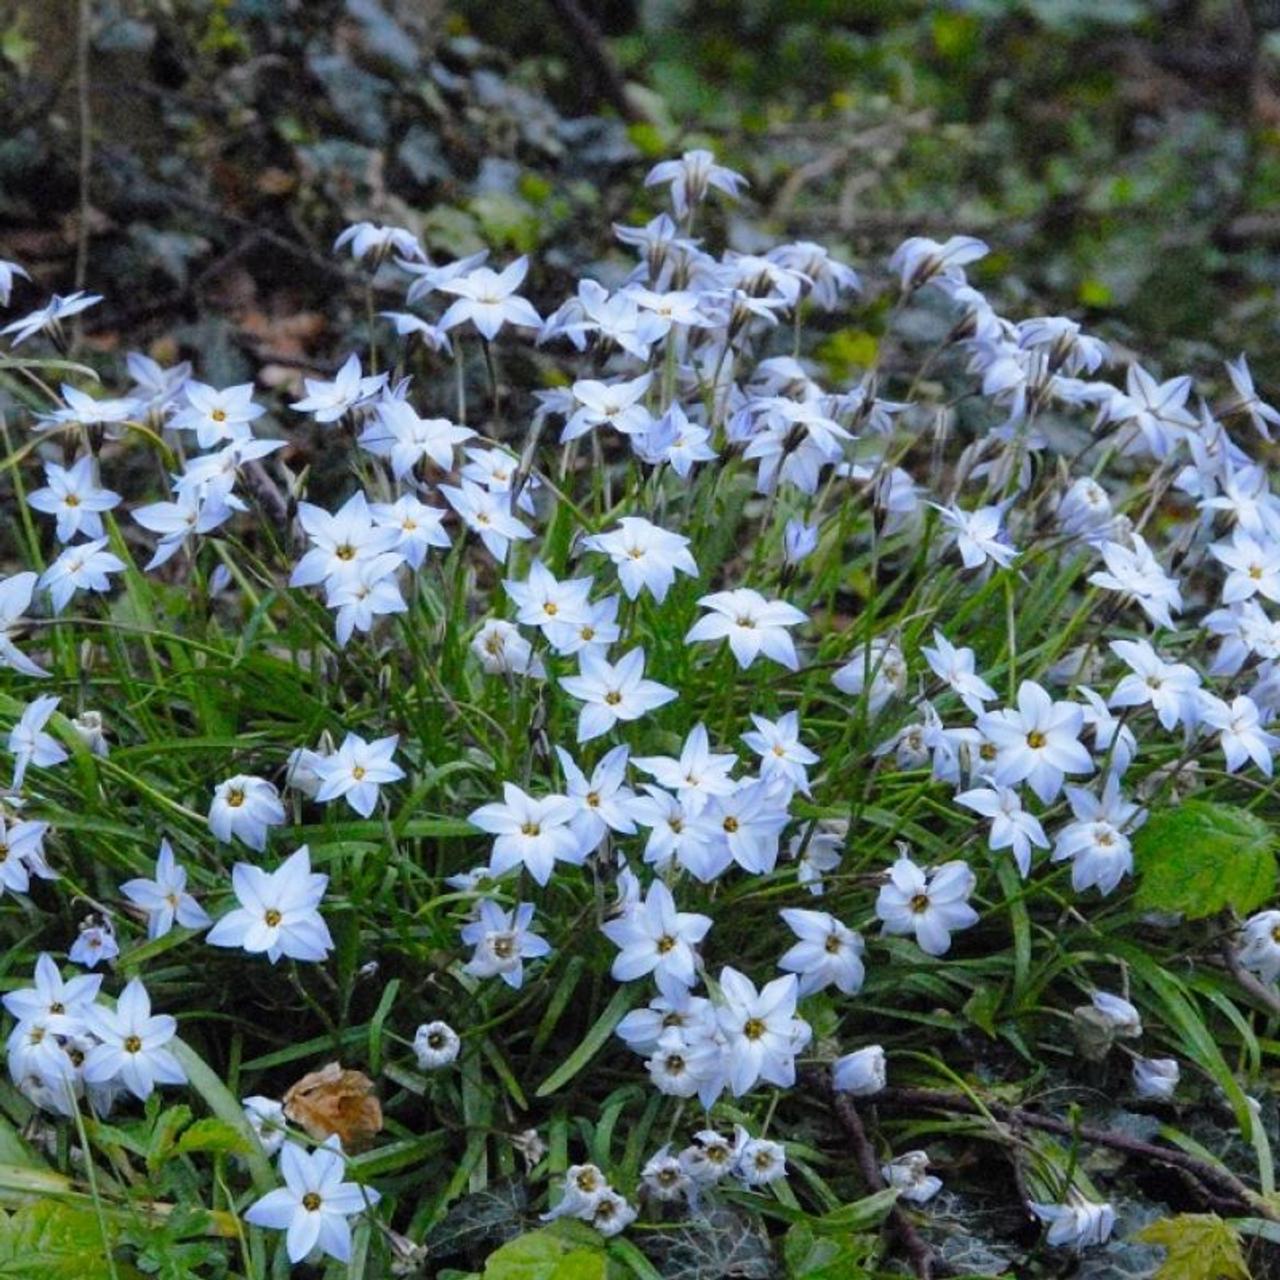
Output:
[[592, 1042]]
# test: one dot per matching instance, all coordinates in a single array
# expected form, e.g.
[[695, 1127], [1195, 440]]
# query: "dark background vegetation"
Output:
[[1121, 156]]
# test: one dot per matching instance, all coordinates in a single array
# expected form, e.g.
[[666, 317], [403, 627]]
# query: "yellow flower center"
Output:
[[311, 1201], [753, 1028], [132, 1044], [1035, 739], [272, 917]]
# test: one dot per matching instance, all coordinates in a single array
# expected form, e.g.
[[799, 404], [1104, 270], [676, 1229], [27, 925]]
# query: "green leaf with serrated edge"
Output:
[[1202, 857], [215, 1136], [1198, 1246], [218, 1098]]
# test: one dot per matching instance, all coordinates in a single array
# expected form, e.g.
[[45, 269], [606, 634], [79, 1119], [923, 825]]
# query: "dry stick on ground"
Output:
[[923, 1261], [1264, 994], [1221, 1184]]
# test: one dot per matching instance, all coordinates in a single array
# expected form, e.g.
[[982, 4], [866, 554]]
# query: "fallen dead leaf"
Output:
[[335, 1100]]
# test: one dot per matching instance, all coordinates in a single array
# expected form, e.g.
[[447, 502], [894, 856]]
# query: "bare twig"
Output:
[[1220, 1182], [268, 494], [923, 1261], [1250, 985]]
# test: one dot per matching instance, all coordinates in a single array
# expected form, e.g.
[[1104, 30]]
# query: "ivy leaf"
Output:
[[722, 1241], [1201, 857], [480, 1221], [1198, 1246]]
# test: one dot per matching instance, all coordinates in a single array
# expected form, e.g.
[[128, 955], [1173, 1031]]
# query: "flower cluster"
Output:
[[687, 628], [67, 1043]]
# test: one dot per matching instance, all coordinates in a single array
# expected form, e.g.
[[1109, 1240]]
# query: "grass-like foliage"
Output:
[[569, 794]]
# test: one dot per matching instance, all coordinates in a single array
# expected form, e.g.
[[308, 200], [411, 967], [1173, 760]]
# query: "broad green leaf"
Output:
[[214, 1136], [51, 1241], [1198, 1246], [810, 1256], [1201, 857], [553, 1253]]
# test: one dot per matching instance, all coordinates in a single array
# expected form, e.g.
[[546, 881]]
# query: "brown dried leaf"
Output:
[[335, 1100]]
